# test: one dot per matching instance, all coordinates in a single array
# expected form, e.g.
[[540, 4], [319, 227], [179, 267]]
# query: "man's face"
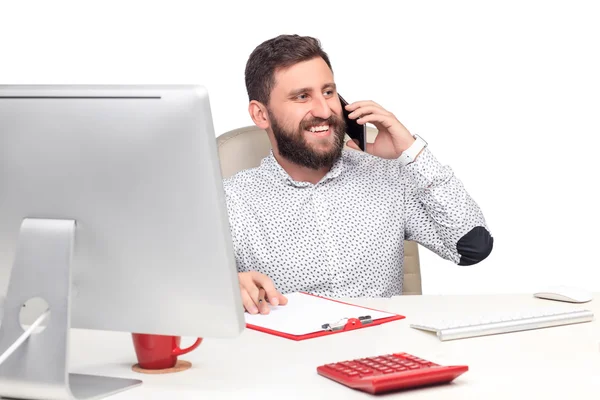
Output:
[[306, 115]]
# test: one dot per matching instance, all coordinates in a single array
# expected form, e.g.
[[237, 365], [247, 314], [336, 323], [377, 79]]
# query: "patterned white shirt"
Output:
[[344, 236]]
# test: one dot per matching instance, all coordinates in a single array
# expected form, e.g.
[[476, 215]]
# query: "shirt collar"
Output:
[[270, 164]]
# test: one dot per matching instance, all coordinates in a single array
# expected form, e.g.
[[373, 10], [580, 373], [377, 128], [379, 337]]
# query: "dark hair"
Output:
[[280, 52]]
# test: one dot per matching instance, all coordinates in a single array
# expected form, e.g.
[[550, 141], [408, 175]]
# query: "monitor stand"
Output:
[[39, 366]]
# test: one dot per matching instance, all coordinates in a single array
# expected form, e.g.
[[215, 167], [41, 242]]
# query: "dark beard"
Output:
[[294, 147]]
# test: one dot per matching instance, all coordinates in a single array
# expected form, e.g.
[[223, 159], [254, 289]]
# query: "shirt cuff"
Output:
[[426, 171]]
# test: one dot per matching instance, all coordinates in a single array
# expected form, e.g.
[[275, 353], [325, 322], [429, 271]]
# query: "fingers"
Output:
[[368, 110], [248, 303], [254, 291], [282, 300], [273, 296], [364, 103], [258, 293], [263, 306], [385, 120]]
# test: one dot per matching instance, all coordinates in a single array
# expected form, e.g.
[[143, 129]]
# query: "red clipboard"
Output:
[[352, 323]]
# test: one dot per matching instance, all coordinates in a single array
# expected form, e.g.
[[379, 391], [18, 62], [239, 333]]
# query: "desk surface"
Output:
[[549, 363]]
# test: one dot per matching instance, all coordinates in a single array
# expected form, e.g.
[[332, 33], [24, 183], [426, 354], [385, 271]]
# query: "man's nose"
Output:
[[320, 108]]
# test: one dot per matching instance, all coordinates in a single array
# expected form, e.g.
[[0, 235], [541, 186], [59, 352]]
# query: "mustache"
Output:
[[332, 121]]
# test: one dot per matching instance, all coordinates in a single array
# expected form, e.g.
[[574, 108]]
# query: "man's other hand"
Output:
[[258, 291]]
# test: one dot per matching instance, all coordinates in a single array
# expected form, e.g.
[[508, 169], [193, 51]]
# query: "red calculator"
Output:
[[390, 372]]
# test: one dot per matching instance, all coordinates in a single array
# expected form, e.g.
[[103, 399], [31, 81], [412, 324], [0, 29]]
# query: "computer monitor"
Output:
[[112, 210]]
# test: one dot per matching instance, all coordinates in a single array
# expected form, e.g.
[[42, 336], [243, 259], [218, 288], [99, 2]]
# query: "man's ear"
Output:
[[258, 113]]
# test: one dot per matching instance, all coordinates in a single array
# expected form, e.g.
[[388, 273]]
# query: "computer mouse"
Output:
[[565, 293]]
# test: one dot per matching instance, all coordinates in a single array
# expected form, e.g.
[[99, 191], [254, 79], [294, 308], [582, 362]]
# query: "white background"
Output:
[[507, 93]]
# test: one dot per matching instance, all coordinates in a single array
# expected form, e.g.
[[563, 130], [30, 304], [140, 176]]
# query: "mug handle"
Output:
[[179, 351]]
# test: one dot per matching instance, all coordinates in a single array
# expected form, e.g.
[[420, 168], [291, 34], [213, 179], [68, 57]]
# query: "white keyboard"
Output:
[[503, 323]]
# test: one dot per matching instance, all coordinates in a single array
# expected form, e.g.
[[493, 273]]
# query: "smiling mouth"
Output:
[[319, 130]]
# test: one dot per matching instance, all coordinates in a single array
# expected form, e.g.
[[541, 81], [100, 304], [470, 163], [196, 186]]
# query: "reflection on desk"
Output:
[[552, 363]]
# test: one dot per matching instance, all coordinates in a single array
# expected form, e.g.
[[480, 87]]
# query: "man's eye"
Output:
[[329, 93], [302, 96]]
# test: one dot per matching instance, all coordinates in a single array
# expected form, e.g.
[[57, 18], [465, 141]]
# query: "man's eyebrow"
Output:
[[297, 92]]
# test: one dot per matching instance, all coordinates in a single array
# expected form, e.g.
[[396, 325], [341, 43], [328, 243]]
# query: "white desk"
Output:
[[551, 363]]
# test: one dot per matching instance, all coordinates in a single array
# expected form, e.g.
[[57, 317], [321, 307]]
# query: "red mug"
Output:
[[159, 351]]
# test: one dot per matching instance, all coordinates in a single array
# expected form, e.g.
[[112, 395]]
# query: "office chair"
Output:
[[245, 147]]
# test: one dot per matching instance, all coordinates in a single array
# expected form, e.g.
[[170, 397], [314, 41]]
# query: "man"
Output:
[[318, 218]]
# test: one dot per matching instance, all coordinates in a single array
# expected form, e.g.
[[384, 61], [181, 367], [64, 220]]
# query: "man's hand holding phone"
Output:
[[258, 291], [392, 137]]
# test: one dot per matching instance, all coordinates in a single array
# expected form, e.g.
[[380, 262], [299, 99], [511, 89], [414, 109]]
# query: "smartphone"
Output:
[[355, 130]]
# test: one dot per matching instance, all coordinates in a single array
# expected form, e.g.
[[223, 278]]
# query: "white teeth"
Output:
[[319, 128]]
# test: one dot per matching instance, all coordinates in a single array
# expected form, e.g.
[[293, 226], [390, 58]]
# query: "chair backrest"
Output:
[[245, 147]]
